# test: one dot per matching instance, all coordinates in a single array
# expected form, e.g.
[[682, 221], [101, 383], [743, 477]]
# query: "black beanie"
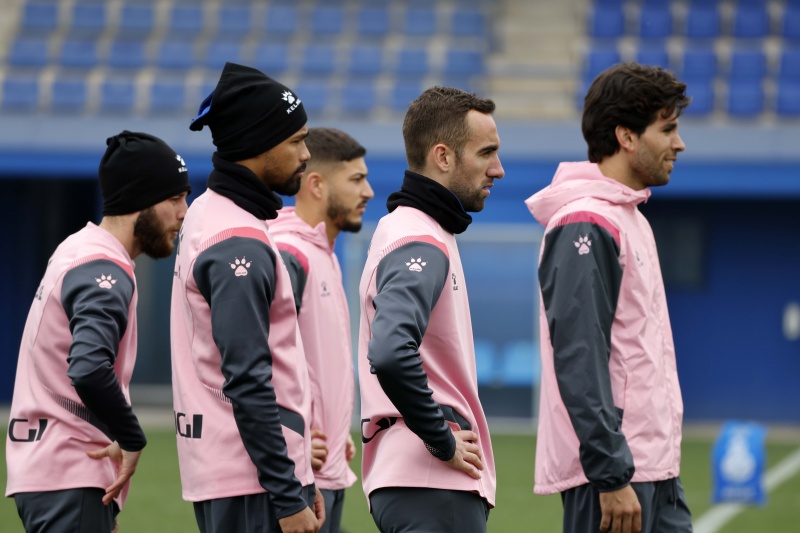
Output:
[[249, 113], [138, 171]]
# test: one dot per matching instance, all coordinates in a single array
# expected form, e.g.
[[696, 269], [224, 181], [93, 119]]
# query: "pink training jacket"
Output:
[[611, 407], [324, 321]]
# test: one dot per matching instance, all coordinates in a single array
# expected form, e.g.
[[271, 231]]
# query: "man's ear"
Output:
[[626, 138], [442, 157], [315, 184]]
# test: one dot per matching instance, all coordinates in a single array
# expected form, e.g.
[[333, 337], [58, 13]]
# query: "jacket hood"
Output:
[[574, 181], [289, 222]]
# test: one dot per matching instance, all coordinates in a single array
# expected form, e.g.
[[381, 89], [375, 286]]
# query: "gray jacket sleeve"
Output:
[[237, 279], [409, 282], [298, 276], [580, 276], [96, 297]]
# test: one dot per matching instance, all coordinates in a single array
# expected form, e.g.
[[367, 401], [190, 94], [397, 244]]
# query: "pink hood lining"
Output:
[[289, 223]]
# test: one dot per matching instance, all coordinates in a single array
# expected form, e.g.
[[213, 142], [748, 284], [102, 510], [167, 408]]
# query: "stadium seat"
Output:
[[175, 54], [185, 21], [39, 17], [790, 23], [117, 95], [218, 52], [747, 64], [136, 19], [463, 62], [78, 53], [281, 20], [402, 93], [29, 52], [271, 58], [655, 55], [359, 97], [745, 98], [167, 96], [787, 99], [68, 95], [420, 21], [702, 22], [750, 21], [520, 364], [789, 69], [600, 58], [412, 62], [655, 21], [485, 361], [234, 22], [319, 59], [20, 93], [468, 23], [373, 21], [702, 94], [366, 60], [606, 22], [124, 54], [314, 95], [327, 20], [698, 63], [88, 18]]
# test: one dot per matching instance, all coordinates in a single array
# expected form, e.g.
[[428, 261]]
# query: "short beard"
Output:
[[154, 241], [337, 213], [291, 186]]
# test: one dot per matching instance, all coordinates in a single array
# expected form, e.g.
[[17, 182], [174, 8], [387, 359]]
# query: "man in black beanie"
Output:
[[238, 364], [73, 439]]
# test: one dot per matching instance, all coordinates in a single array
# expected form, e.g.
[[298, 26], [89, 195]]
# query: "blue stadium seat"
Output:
[[366, 60], [420, 21], [747, 64], [750, 21], [787, 99], [175, 54], [703, 22], [327, 20], [463, 62], [698, 63], [789, 69], [271, 58], [20, 93], [314, 95], [468, 23], [167, 96], [655, 55], [655, 21], [745, 98], [126, 54], [219, 52], [29, 52], [234, 22], [600, 58], [318, 59], [39, 17], [185, 21], [78, 53], [88, 18], [359, 97], [68, 95], [402, 93], [702, 93], [412, 61], [470, 84], [281, 20], [485, 361], [373, 21], [521, 365], [606, 23], [117, 95], [790, 25], [137, 19]]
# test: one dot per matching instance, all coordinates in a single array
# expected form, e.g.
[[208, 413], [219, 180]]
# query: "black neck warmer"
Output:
[[432, 199], [240, 185]]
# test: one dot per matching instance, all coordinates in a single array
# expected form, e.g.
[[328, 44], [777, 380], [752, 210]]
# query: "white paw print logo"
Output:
[[105, 282], [415, 265], [240, 266], [289, 97], [583, 245]]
